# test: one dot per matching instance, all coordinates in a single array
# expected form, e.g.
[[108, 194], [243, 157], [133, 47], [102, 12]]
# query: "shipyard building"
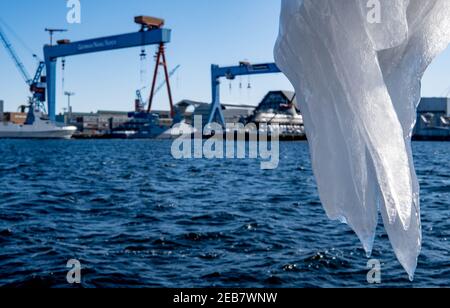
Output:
[[276, 108], [433, 119]]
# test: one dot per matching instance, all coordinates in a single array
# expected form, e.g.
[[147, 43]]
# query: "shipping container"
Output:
[[18, 118]]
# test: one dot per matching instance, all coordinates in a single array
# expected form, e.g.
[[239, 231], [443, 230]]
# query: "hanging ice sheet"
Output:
[[356, 66]]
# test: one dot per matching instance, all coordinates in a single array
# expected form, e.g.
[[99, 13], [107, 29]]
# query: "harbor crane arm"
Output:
[[162, 84], [158, 89], [35, 87], [140, 99], [15, 57]]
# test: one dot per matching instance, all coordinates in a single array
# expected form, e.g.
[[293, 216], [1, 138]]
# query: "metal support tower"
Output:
[[161, 61]]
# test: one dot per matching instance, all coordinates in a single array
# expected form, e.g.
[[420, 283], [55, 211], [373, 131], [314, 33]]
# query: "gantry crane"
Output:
[[151, 33], [244, 68]]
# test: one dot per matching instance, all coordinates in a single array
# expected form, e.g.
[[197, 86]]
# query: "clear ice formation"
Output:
[[358, 81]]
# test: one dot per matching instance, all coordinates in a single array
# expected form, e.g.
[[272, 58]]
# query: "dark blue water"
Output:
[[135, 217]]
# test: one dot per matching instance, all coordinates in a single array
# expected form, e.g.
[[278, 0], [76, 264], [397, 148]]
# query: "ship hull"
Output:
[[39, 129], [56, 134]]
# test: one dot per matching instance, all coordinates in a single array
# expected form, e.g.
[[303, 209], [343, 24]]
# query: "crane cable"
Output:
[[143, 58], [446, 92], [19, 40], [143, 70], [63, 74]]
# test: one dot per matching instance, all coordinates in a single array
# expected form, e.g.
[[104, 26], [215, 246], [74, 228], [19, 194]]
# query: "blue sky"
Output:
[[204, 32]]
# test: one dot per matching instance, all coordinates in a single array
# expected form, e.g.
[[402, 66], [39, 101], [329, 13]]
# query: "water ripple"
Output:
[[135, 217]]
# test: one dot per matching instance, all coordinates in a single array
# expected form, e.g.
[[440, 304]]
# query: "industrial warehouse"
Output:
[[277, 108]]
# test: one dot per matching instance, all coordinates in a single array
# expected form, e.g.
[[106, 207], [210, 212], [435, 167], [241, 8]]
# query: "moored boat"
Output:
[[37, 126]]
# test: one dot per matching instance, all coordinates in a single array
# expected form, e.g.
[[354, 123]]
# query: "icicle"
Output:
[[359, 86]]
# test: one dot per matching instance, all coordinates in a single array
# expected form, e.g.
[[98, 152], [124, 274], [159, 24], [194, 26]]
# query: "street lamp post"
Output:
[[69, 107]]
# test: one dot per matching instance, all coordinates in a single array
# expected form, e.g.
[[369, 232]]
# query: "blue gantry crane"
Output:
[[35, 85], [151, 33], [230, 73]]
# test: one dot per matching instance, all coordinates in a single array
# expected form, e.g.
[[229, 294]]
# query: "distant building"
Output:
[[276, 108], [280, 108], [18, 118], [232, 113], [97, 123], [433, 119], [103, 121], [13, 117]]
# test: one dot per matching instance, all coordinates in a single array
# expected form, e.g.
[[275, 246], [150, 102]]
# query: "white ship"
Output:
[[37, 126]]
